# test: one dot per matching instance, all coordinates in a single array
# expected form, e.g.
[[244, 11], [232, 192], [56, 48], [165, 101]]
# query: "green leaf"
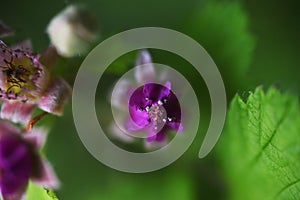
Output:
[[259, 150], [37, 192]]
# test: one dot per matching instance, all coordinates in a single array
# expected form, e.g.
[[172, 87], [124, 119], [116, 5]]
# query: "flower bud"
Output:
[[73, 31]]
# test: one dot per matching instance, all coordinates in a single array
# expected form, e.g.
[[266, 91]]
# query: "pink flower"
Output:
[[152, 108], [26, 81], [20, 161]]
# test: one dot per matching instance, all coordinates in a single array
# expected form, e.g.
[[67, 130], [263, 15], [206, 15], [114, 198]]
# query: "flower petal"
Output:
[[55, 98], [49, 57], [7, 128], [144, 73], [17, 112], [140, 117], [18, 195], [116, 132], [159, 137], [156, 91], [168, 85], [131, 126], [176, 126], [45, 176], [119, 99], [36, 137], [16, 163]]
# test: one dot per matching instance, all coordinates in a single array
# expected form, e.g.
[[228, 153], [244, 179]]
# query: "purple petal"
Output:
[[45, 176], [155, 91], [160, 136], [139, 117], [18, 195], [168, 85], [17, 112], [131, 126], [176, 126], [7, 129], [55, 98], [137, 98], [146, 72], [172, 107], [16, 162]]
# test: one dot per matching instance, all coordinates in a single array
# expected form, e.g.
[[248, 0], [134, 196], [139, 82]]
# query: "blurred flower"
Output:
[[20, 161], [153, 108], [26, 82], [73, 31]]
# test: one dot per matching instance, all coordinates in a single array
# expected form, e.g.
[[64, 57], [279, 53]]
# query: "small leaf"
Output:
[[37, 192], [259, 150]]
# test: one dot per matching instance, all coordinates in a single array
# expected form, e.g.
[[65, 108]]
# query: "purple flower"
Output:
[[152, 108], [26, 81], [20, 161]]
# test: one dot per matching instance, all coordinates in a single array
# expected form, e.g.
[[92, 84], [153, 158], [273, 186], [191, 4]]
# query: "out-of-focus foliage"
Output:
[[222, 28], [151, 189], [260, 147]]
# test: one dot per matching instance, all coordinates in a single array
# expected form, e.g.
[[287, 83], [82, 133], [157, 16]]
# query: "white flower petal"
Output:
[[117, 133], [146, 72], [118, 98]]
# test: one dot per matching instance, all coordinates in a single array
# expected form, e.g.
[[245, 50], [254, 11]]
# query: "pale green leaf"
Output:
[[40, 193], [259, 150]]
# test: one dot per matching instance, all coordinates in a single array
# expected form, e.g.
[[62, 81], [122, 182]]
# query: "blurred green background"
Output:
[[252, 42]]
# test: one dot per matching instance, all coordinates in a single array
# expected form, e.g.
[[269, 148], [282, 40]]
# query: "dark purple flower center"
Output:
[[15, 164], [155, 105]]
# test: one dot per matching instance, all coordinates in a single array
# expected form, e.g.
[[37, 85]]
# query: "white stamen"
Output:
[[147, 108]]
